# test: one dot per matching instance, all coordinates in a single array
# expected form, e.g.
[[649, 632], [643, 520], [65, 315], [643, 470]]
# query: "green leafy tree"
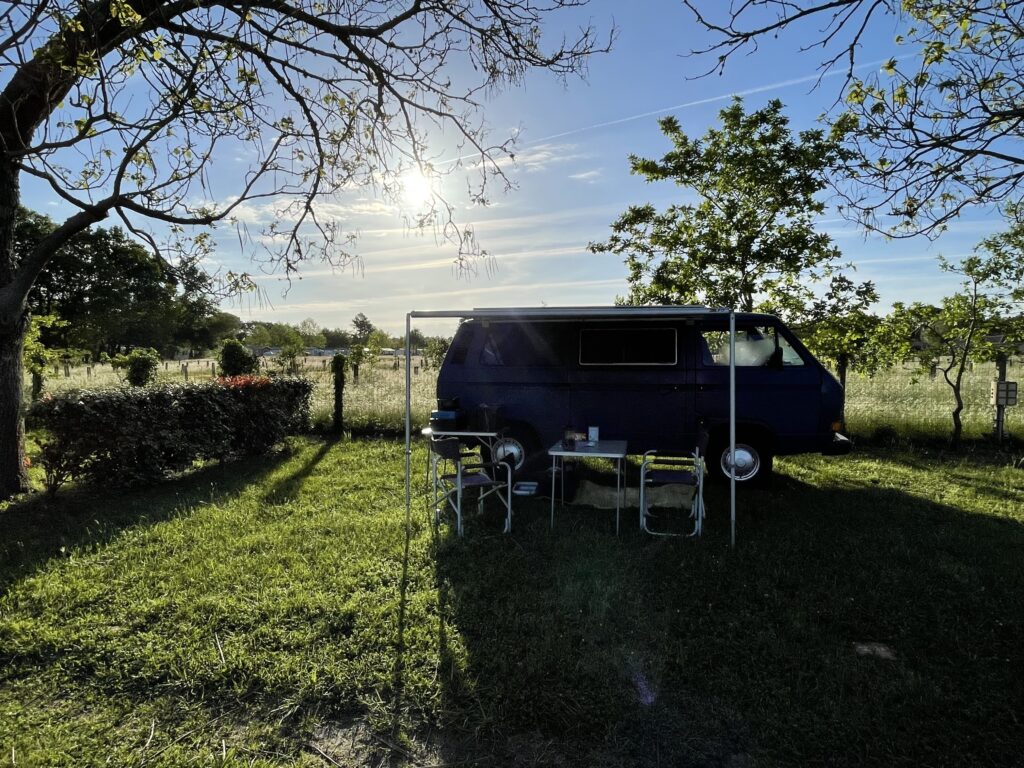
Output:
[[107, 289], [38, 357], [949, 336], [235, 359], [936, 128], [417, 340], [140, 366], [750, 233], [120, 107], [311, 333], [356, 357], [336, 338], [436, 349], [839, 327], [363, 328], [200, 326]]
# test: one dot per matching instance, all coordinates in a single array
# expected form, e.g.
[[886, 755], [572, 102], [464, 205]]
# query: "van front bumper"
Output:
[[839, 445]]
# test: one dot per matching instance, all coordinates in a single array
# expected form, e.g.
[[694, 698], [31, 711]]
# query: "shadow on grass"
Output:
[[839, 632], [289, 487], [42, 526]]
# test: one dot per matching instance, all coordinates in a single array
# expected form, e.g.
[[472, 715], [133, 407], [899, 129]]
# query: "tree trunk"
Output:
[[13, 324], [958, 426], [841, 365], [956, 385], [13, 476]]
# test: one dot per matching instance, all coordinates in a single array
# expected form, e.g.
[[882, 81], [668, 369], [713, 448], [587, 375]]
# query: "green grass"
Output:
[[275, 612]]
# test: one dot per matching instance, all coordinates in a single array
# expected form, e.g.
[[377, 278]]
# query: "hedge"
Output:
[[131, 436]]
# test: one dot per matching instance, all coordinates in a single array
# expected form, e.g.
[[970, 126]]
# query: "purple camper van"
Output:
[[653, 376]]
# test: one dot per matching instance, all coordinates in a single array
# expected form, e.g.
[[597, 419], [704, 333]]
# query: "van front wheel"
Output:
[[753, 462]]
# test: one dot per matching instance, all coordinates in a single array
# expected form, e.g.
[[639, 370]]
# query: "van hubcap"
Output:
[[510, 450], [748, 462]]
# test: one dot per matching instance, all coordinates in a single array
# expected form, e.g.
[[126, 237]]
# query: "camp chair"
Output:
[[672, 470], [452, 475]]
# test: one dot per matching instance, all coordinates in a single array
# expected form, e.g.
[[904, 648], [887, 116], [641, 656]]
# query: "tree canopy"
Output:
[[936, 128], [749, 234], [118, 108], [110, 294]]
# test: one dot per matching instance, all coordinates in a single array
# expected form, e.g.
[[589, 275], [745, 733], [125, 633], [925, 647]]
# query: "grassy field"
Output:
[[280, 613], [901, 399]]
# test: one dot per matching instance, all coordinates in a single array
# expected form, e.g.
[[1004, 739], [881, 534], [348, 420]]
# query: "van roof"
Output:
[[582, 313]]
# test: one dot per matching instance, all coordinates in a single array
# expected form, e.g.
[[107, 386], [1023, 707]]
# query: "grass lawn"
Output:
[[277, 614]]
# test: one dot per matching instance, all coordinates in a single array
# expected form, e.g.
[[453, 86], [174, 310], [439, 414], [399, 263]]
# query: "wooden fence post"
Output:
[[338, 369]]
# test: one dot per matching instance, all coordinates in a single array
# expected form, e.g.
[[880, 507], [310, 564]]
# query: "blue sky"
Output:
[[573, 180]]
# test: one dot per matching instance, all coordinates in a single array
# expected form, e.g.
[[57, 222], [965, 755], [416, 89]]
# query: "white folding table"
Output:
[[598, 449]]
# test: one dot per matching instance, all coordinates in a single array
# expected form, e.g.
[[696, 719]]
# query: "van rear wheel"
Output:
[[753, 461], [518, 445]]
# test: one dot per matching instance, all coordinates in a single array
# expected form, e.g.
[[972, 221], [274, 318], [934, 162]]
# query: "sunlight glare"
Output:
[[418, 189]]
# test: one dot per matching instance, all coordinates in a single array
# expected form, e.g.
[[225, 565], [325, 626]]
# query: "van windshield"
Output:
[[755, 346]]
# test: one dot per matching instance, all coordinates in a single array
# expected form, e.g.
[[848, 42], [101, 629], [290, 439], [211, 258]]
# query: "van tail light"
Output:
[[837, 426]]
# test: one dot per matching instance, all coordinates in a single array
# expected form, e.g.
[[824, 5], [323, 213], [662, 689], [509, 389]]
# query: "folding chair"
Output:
[[453, 473], [671, 470]]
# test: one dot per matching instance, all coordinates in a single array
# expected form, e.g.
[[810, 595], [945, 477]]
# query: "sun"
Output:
[[418, 189]]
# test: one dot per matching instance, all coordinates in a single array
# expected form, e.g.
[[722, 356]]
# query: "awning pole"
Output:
[[732, 428], [408, 424]]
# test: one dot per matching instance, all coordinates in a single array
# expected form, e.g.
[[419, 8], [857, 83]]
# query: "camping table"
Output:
[[598, 449]]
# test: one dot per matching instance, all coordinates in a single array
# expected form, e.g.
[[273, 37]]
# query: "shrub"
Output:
[[140, 366], [130, 436], [236, 359]]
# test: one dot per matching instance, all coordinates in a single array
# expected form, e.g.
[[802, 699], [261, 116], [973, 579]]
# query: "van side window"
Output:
[[518, 344], [628, 346], [755, 346], [491, 355], [460, 345]]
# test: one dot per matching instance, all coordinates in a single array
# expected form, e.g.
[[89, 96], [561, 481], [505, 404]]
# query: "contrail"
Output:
[[709, 100]]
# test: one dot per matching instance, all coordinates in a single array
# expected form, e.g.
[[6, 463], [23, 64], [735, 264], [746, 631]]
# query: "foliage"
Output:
[[417, 339], [839, 327], [937, 128], [312, 334], [949, 336], [126, 437], [120, 108], [337, 338], [363, 328], [110, 293], [140, 366], [38, 357], [377, 341], [356, 357], [236, 359], [288, 358], [751, 232], [263, 334], [436, 349], [296, 581]]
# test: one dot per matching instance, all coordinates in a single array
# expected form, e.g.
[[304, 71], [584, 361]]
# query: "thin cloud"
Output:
[[589, 177]]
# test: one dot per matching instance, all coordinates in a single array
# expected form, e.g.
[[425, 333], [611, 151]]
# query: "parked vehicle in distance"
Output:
[[652, 376]]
